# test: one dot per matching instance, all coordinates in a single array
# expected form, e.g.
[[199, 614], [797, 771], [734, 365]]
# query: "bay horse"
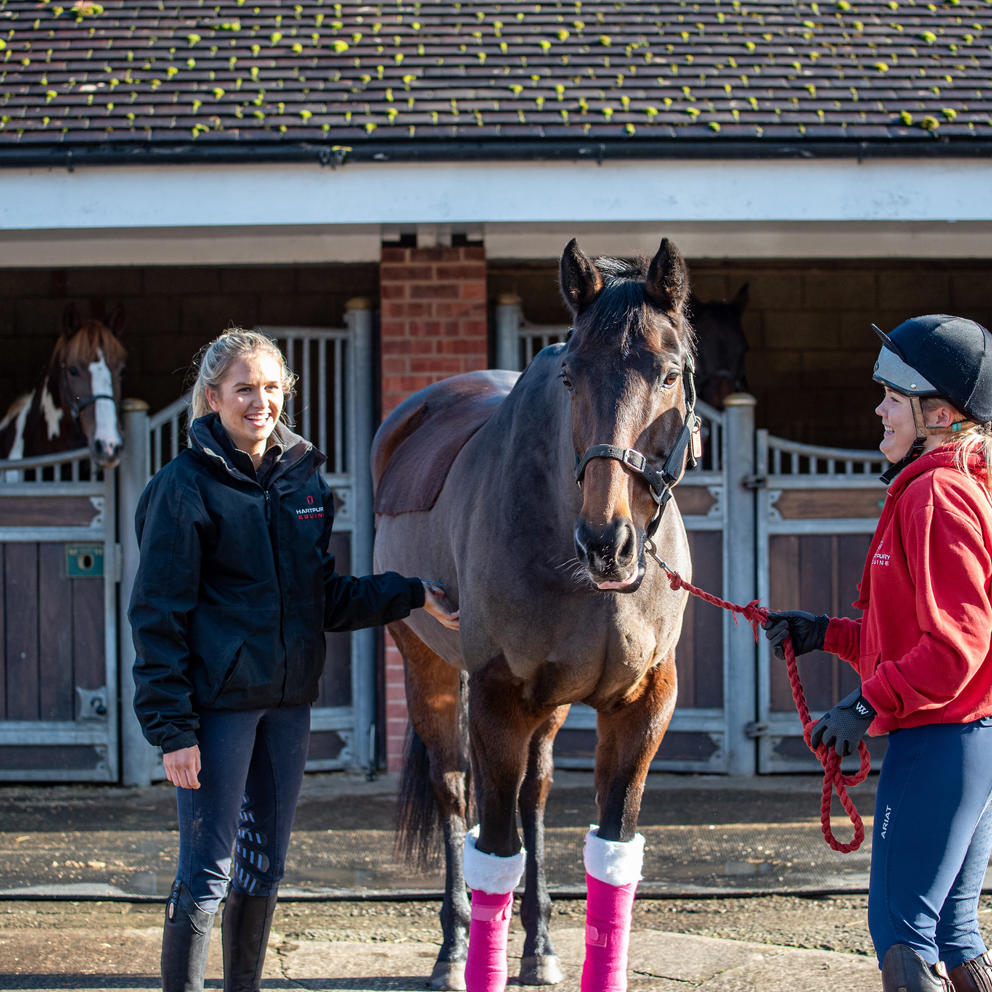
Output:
[[77, 401], [540, 532], [721, 346]]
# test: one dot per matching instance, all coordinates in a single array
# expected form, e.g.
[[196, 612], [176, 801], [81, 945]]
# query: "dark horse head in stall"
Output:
[[720, 347]]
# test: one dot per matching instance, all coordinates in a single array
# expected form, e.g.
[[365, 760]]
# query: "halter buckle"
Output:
[[634, 459]]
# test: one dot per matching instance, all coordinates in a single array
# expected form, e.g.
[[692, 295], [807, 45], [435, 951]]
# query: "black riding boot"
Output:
[[903, 970], [246, 924], [185, 941], [974, 975]]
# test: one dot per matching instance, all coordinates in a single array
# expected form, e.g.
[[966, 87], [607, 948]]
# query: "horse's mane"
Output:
[[92, 335], [623, 298]]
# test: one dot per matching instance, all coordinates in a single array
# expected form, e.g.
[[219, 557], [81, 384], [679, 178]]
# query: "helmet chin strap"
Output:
[[916, 448], [923, 432]]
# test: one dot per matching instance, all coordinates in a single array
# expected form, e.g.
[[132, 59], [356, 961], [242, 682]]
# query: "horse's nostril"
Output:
[[629, 546]]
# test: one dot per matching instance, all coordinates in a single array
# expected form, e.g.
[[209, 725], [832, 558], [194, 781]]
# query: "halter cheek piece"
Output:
[[659, 483], [79, 403]]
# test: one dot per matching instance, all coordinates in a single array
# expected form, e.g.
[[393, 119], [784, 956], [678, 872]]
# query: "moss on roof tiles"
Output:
[[590, 67]]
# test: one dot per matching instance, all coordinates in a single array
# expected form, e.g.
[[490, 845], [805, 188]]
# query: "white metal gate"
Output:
[[59, 568], [333, 408], [767, 519]]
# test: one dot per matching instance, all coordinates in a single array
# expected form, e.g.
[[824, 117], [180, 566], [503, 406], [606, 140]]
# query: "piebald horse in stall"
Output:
[[537, 501], [77, 401]]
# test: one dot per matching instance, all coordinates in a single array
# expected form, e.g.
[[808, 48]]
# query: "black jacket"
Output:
[[235, 585]]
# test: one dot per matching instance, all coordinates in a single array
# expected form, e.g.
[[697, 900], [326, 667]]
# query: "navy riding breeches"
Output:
[[931, 841]]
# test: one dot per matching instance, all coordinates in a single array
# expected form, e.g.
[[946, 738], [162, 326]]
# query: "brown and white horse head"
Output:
[[627, 367], [88, 363]]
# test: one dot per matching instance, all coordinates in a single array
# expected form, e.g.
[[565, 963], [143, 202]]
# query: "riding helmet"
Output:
[[939, 355]]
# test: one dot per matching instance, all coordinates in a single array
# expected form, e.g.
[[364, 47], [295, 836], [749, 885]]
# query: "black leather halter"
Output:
[[660, 483], [79, 403]]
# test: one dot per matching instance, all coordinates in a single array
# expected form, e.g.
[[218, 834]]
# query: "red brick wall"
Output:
[[433, 325]]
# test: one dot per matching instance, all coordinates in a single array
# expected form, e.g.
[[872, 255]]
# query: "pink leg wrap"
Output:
[[485, 969], [608, 911]]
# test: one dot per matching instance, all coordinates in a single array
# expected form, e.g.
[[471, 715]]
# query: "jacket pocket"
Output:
[[227, 661]]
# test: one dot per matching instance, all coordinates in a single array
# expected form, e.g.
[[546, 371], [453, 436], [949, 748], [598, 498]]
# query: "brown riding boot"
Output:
[[974, 975], [903, 970]]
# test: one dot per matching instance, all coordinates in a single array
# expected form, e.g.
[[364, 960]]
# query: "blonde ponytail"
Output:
[[215, 359], [969, 439]]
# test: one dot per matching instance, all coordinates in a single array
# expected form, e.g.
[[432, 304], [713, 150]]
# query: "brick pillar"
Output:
[[433, 326]]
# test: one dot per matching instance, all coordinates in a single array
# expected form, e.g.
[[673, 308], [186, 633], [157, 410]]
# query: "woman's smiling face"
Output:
[[249, 401], [899, 430]]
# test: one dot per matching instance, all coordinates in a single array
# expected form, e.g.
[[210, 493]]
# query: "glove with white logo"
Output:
[[807, 630], [844, 724]]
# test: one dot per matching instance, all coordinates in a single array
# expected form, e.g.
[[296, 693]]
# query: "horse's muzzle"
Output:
[[611, 554]]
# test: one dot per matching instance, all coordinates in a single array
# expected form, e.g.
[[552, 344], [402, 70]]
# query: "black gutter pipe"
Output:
[[205, 152]]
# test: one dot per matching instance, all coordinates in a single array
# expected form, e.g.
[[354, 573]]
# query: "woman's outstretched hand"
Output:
[[182, 767], [436, 604]]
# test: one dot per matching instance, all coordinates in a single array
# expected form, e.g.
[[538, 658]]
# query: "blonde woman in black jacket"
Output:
[[234, 591]]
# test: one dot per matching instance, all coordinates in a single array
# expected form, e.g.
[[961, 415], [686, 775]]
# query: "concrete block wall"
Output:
[[808, 324], [170, 313]]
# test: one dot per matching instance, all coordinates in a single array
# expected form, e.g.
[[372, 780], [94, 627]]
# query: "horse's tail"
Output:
[[419, 820]]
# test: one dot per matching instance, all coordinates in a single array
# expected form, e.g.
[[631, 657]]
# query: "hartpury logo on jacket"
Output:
[[311, 511]]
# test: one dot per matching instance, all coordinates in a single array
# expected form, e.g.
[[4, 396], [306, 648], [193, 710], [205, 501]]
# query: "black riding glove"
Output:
[[844, 724], [807, 630]]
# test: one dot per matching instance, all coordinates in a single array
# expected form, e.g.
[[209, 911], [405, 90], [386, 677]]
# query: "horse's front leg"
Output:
[[539, 964], [628, 738], [500, 729], [433, 789]]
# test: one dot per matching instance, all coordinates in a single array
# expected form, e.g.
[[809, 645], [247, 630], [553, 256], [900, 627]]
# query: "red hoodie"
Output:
[[923, 646]]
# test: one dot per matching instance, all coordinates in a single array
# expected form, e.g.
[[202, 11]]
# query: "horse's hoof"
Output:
[[540, 969], [448, 975]]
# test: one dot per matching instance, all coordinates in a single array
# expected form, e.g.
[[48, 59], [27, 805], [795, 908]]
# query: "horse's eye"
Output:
[[670, 379], [563, 375], [73, 370]]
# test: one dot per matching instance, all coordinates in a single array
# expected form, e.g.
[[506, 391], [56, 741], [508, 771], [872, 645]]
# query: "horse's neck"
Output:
[[41, 425], [531, 434]]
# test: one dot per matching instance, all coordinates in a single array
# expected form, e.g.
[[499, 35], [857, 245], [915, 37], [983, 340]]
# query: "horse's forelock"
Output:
[[618, 314], [82, 347]]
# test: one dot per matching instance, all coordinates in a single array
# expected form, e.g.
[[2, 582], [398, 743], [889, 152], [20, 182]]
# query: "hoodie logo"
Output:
[[880, 559], [310, 511]]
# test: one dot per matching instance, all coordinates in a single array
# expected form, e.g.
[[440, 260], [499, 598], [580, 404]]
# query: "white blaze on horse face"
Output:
[[105, 410], [52, 413]]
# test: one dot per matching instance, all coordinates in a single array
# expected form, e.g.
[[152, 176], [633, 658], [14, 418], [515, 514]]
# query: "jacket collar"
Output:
[[943, 457], [296, 450]]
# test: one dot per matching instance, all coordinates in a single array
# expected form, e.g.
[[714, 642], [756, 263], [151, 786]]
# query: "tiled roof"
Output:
[[405, 78]]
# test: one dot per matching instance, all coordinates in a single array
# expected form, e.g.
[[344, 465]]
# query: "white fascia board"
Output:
[[673, 191], [300, 214]]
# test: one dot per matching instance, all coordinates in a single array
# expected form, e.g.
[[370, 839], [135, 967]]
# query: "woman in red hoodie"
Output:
[[923, 649]]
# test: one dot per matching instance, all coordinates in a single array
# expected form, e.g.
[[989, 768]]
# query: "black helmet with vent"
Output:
[[940, 355]]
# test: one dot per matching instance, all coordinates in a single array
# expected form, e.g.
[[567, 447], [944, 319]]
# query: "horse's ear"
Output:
[[115, 322], [581, 281], [667, 285], [70, 320], [739, 302]]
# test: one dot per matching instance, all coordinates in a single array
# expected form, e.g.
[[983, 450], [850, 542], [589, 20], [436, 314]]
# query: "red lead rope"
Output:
[[833, 779]]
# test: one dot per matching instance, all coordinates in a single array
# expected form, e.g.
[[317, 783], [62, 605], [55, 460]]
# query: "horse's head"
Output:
[[720, 347], [91, 358], [627, 366]]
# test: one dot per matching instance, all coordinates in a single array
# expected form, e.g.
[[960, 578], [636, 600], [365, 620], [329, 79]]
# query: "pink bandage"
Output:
[[485, 969], [608, 911]]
